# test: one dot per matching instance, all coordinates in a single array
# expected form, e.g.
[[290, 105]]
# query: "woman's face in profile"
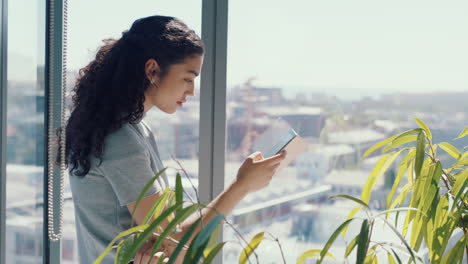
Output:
[[173, 89]]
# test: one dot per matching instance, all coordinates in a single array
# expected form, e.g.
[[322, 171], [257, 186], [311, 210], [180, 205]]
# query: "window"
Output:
[[176, 134], [344, 75], [25, 245], [68, 249], [25, 131]]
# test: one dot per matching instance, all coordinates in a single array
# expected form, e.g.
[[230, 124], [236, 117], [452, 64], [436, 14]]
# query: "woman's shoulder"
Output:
[[125, 140]]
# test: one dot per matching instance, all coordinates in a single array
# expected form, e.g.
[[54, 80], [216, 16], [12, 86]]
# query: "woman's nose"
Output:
[[191, 92]]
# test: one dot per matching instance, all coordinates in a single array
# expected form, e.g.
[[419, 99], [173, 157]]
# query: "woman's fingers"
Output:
[[275, 160], [157, 257], [139, 256], [256, 156]]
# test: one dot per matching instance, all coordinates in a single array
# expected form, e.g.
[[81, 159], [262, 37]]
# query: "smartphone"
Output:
[[277, 137], [282, 142]]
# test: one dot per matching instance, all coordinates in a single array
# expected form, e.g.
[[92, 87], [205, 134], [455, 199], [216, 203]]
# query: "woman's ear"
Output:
[[152, 69]]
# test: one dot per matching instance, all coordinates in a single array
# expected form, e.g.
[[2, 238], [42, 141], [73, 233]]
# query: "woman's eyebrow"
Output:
[[194, 72]]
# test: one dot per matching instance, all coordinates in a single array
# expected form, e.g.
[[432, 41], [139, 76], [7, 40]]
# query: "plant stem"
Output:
[[370, 235], [279, 245], [444, 179]]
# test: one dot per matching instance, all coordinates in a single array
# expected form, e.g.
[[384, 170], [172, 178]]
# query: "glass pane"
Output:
[[25, 131], [176, 134], [344, 75]]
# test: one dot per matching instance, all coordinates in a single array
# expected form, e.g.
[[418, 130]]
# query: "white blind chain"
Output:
[[51, 135]]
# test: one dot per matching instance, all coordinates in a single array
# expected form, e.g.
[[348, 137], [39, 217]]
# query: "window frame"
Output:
[[3, 113], [213, 87]]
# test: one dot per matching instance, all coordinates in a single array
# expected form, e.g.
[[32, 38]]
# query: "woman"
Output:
[[110, 150]]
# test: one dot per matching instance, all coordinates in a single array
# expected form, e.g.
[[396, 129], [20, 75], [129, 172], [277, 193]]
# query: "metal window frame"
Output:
[[3, 123], [52, 250], [213, 102]]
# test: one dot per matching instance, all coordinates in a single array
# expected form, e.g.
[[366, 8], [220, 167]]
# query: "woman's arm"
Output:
[[254, 174]]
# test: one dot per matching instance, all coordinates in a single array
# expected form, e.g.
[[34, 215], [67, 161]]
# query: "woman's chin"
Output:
[[167, 110], [170, 111]]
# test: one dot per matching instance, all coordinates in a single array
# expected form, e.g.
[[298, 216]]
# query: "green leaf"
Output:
[[390, 258], [179, 189], [359, 201], [389, 140], [455, 255], [157, 206], [122, 234], [188, 234], [148, 233], [332, 239], [400, 141], [402, 196], [258, 238], [424, 127], [460, 188], [213, 252], [371, 259], [417, 196], [351, 215], [380, 168], [171, 202], [378, 145], [463, 162], [401, 238], [310, 254], [463, 133], [396, 256], [444, 225], [206, 232], [407, 133], [213, 241], [200, 242], [124, 246], [367, 189], [398, 210], [362, 242], [161, 259], [464, 155], [145, 189], [180, 216], [419, 154], [198, 253], [401, 171], [450, 149], [351, 246]]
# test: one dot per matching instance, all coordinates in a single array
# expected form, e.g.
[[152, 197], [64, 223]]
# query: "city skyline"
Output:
[[361, 47]]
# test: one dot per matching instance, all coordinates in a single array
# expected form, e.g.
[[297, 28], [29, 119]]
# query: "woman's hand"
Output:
[[167, 247], [256, 172], [143, 256]]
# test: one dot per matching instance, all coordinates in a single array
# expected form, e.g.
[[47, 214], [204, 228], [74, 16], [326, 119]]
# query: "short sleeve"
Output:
[[127, 167]]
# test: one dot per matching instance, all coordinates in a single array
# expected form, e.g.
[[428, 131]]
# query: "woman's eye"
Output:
[[188, 80]]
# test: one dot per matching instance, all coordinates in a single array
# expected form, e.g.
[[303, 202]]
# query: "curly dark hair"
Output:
[[110, 90]]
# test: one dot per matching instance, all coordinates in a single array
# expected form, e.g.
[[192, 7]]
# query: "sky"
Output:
[[342, 46]]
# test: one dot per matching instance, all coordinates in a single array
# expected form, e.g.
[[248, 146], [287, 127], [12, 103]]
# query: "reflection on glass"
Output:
[[344, 76], [25, 131]]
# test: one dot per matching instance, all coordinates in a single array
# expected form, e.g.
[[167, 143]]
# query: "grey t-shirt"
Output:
[[130, 160]]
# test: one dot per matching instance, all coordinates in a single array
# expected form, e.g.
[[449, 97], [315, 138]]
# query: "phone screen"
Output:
[[281, 143]]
